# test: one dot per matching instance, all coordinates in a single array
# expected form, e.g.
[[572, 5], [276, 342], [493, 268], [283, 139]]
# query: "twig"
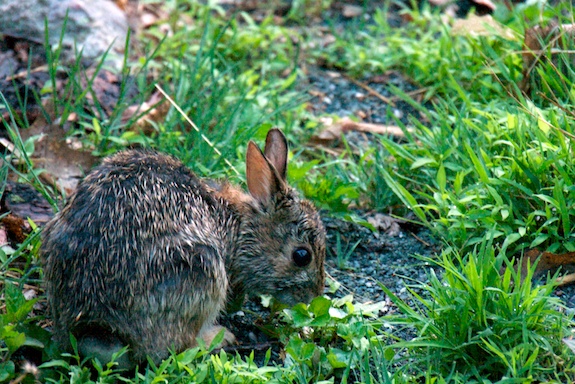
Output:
[[566, 279], [195, 128], [370, 90], [25, 73], [420, 239]]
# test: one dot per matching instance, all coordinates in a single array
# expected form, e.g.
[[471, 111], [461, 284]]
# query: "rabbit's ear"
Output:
[[263, 178], [276, 150]]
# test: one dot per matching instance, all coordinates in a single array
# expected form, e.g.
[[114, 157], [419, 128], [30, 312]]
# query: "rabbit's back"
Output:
[[138, 252]]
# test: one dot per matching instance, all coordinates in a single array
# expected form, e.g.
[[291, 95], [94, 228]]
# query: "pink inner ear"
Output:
[[276, 151], [259, 174]]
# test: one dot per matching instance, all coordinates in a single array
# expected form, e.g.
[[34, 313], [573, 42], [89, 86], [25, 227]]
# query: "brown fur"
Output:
[[146, 254]]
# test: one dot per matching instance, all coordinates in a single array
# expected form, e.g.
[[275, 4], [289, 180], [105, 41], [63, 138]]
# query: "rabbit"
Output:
[[147, 255]]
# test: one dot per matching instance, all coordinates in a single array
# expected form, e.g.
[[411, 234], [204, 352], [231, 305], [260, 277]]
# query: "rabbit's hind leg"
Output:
[[101, 343]]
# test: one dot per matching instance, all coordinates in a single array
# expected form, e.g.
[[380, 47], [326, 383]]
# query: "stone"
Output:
[[92, 26]]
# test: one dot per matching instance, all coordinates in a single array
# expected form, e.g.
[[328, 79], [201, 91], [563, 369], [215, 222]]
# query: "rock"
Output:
[[92, 26]]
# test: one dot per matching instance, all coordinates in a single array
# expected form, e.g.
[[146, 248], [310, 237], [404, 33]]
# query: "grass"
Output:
[[487, 169], [479, 323]]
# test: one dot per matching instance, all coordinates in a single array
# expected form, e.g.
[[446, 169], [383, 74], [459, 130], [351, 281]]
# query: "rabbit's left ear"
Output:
[[263, 178], [276, 151]]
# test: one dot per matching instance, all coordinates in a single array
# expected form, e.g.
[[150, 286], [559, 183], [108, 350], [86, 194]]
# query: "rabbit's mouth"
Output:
[[293, 295]]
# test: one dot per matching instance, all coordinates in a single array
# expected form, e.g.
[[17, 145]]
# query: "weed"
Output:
[[486, 325], [343, 253]]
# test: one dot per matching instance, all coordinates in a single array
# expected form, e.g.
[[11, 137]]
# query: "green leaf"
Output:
[[17, 307], [7, 370], [389, 354], [217, 340], [422, 161], [319, 306], [12, 338], [338, 358], [299, 315], [441, 178]]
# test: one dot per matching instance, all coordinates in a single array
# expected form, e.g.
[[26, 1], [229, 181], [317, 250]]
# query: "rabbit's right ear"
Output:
[[264, 180]]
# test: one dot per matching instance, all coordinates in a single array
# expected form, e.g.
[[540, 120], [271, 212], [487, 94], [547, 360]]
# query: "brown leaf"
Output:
[[153, 110], [475, 25], [548, 262], [350, 11], [570, 343], [24, 202], [152, 13], [16, 227], [535, 48], [385, 223], [486, 4], [63, 161], [3, 236]]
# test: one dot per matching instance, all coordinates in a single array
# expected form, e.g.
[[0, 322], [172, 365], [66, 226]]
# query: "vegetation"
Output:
[[488, 169]]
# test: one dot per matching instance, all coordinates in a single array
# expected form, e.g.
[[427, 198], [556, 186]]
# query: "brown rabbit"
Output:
[[146, 254]]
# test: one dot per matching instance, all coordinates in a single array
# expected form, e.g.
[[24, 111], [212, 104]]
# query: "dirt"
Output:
[[340, 95]]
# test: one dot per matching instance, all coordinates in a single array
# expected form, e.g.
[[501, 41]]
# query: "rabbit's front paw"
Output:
[[208, 335]]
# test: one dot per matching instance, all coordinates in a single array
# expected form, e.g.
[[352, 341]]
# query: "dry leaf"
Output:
[[570, 343], [327, 40], [350, 11], [55, 155], [548, 262], [486, 25], [24, 202], [155, 109], [3, 236], [16, 227], [440, 3], [30, 293], [151, 14], [385, 223], [535, 48]]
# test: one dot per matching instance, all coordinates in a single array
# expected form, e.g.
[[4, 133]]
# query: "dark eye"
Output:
[[301, 257]]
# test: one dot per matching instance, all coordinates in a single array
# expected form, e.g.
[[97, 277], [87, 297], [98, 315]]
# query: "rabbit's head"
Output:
[[281, 244]]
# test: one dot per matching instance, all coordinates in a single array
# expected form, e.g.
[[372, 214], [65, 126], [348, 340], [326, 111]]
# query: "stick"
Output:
[[195, 127]]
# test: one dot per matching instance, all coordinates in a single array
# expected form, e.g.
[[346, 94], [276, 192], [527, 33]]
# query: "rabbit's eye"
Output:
[[301, 257]]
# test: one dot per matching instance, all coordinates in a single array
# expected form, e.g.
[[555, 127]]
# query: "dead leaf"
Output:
[[153, 110], [536, 50], [24, 202], [54, 153], [486, 3], [327, 40], [385, 223], [440, 3], [17, 228], [152, 13], [350, 11], [570, 343], [566, 279], [547, 262], [3, 236], [486, 25]]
